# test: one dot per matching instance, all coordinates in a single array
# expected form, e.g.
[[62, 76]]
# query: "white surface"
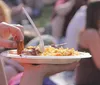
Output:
[[63, 78], [81, 55], [46, 59]]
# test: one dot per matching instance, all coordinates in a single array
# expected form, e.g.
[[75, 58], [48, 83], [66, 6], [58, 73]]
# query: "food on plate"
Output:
[[50, 51], [31, 50], [20, 47]]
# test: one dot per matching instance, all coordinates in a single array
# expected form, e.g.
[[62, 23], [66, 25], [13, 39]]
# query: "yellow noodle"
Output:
[[51, 51]]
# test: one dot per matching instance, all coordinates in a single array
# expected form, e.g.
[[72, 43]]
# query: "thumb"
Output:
[[8, 43]]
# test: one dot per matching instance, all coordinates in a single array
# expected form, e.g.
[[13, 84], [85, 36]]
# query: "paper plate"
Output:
[[46, 59]]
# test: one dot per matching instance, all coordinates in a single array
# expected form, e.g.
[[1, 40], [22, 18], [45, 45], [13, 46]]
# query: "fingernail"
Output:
[[19, 25]]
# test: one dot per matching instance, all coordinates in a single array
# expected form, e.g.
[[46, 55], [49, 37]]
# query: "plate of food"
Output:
[[51, 55]]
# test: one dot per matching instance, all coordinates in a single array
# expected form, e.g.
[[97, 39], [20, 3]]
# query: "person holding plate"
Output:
[[32, 75]]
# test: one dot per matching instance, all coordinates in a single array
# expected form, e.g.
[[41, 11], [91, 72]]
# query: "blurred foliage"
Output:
[[45, 16]]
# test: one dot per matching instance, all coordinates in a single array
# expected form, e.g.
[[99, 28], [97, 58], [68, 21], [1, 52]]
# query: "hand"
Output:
[[6, 30], [36, 74], [47, 70]]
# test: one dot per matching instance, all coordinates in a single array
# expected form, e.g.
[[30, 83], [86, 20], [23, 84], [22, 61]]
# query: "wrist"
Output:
[[31, 76], [37, 72]]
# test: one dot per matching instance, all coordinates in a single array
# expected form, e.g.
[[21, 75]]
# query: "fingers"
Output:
[[48, 70], [14, 30], [28, 67], [20, 26], [69, 67], [7, 43], [59, 68]]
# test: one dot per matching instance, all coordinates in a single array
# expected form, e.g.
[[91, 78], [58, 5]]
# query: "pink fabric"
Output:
[[15, 80]]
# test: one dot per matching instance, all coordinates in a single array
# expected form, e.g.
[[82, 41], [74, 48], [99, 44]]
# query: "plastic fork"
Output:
[[41, 44]]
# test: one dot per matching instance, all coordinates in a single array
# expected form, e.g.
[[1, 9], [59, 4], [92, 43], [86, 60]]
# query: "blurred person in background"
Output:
[[16, 10], [35, 6], [74, 27], [63, 13], [49, 2], [76, 24], [88, 72], [61, 9], [5, 12]]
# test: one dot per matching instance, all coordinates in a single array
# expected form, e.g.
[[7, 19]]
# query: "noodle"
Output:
[[51, 51]]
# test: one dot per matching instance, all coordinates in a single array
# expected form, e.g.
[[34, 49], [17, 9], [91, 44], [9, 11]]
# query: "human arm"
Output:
[[16, 9], [90, 39], [7, 30], [64, 8], [15, 6], [35, 74]]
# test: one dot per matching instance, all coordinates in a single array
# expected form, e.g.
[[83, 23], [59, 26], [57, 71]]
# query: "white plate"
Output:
[[46, 59]]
